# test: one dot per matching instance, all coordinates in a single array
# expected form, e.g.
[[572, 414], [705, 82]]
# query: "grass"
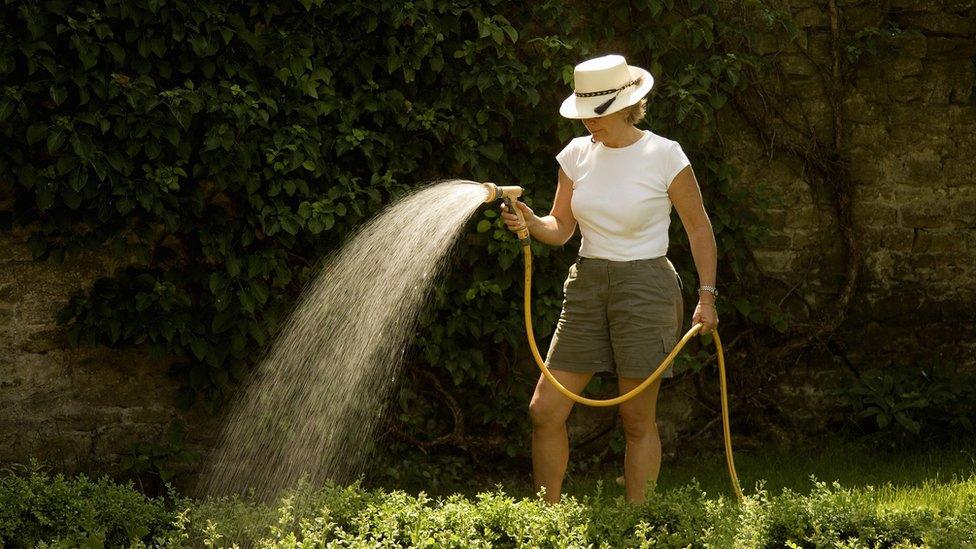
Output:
[[939, 475]]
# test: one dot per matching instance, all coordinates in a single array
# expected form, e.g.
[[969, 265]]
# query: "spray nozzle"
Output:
[[495, 192]]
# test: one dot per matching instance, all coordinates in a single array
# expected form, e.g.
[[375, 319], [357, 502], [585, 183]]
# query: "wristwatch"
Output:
[[710, 289]]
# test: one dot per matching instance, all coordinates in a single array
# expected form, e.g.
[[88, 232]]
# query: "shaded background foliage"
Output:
[[222, 149]]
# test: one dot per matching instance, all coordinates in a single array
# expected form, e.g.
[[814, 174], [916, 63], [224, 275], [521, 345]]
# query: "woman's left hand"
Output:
[[706, 314]]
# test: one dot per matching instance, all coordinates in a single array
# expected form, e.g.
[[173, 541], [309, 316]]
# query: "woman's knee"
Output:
[[638, 424], [545, 413]]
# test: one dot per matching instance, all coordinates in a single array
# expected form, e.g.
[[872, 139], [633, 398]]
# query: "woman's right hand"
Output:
[[511, 220]]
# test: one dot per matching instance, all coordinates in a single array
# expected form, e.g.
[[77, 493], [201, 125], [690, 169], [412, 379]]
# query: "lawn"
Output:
[[909, 471]]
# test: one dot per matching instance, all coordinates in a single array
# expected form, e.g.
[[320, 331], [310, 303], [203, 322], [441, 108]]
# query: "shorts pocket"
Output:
[[668, 341], [570, 277]]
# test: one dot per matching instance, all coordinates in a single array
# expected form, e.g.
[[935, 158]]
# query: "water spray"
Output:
[[509, 194]]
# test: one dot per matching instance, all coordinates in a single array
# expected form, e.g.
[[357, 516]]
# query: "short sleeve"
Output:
[[677, 160], [568, 159]]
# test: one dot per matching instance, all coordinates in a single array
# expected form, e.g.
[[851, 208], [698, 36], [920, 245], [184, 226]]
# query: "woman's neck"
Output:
[[627, 135]]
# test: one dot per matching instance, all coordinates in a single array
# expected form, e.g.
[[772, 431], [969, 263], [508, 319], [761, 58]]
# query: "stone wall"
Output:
[[911, 144], [909, 119], [70, 407]]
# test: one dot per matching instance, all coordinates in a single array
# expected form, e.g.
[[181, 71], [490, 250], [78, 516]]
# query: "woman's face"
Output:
[[602, 126]]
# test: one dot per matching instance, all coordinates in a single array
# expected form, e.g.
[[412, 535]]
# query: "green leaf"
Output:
[[37, 244], [58, 93], [257, 332], [45, 199], [216, 283], [54, 141], [199, 347], [484, 225], [234, 265], [222, 321], [117, 51], [246, 301], [743, 306], [185, 398], [6, 109], [717, 100], [260, 291], [492, 151], [172, 134], [71, 199], [83, 147], [35, 132]]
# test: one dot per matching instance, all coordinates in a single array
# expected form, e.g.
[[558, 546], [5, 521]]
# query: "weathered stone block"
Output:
[[795, 64], [810, 17], [963, 211], [776, 219], [897, 239], [116, 439], [869, 135], [924, 167], [898, 306], [948, 81], [904, 89], [903, 67], [878, 269], [911, 45], [942, 22], [43, 338], [941, 47], [774, 261], [778, 242], [905, 121], [940, 241], [925, 216]]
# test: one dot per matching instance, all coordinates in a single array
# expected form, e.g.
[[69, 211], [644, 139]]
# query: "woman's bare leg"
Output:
[[642, 457], [550, 443]]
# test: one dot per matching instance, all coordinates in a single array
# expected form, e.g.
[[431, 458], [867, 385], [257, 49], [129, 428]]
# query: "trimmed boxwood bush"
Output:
[[38, 508]]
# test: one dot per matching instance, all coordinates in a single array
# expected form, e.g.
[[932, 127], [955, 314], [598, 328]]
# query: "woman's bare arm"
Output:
[[556, 228], [686, 197], [687, 200]]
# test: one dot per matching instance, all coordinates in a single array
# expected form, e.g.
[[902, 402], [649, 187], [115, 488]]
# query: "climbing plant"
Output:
[[220, 150]]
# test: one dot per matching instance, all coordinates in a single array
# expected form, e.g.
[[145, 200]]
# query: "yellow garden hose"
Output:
[[508, 194]]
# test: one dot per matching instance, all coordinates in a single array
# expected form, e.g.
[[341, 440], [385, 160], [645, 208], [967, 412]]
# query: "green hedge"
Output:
[[36, 506], [221, 149], [39, 509]]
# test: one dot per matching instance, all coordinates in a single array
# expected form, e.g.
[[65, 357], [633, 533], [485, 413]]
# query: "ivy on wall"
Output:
[[221, 149]]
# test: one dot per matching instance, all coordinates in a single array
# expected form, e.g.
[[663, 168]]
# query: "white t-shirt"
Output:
[[620, 195]]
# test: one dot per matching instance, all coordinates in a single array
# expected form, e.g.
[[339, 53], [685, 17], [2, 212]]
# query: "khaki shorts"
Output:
[[621, 317]]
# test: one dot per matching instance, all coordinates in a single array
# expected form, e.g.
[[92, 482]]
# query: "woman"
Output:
[[623, 309]]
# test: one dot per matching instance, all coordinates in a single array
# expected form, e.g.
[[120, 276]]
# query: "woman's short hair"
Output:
[[635, 113]]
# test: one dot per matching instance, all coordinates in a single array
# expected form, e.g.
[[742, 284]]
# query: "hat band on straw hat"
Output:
[[599, 109], [605, 92]]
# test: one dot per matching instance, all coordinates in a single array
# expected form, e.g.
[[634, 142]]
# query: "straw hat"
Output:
[[605, 85]]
